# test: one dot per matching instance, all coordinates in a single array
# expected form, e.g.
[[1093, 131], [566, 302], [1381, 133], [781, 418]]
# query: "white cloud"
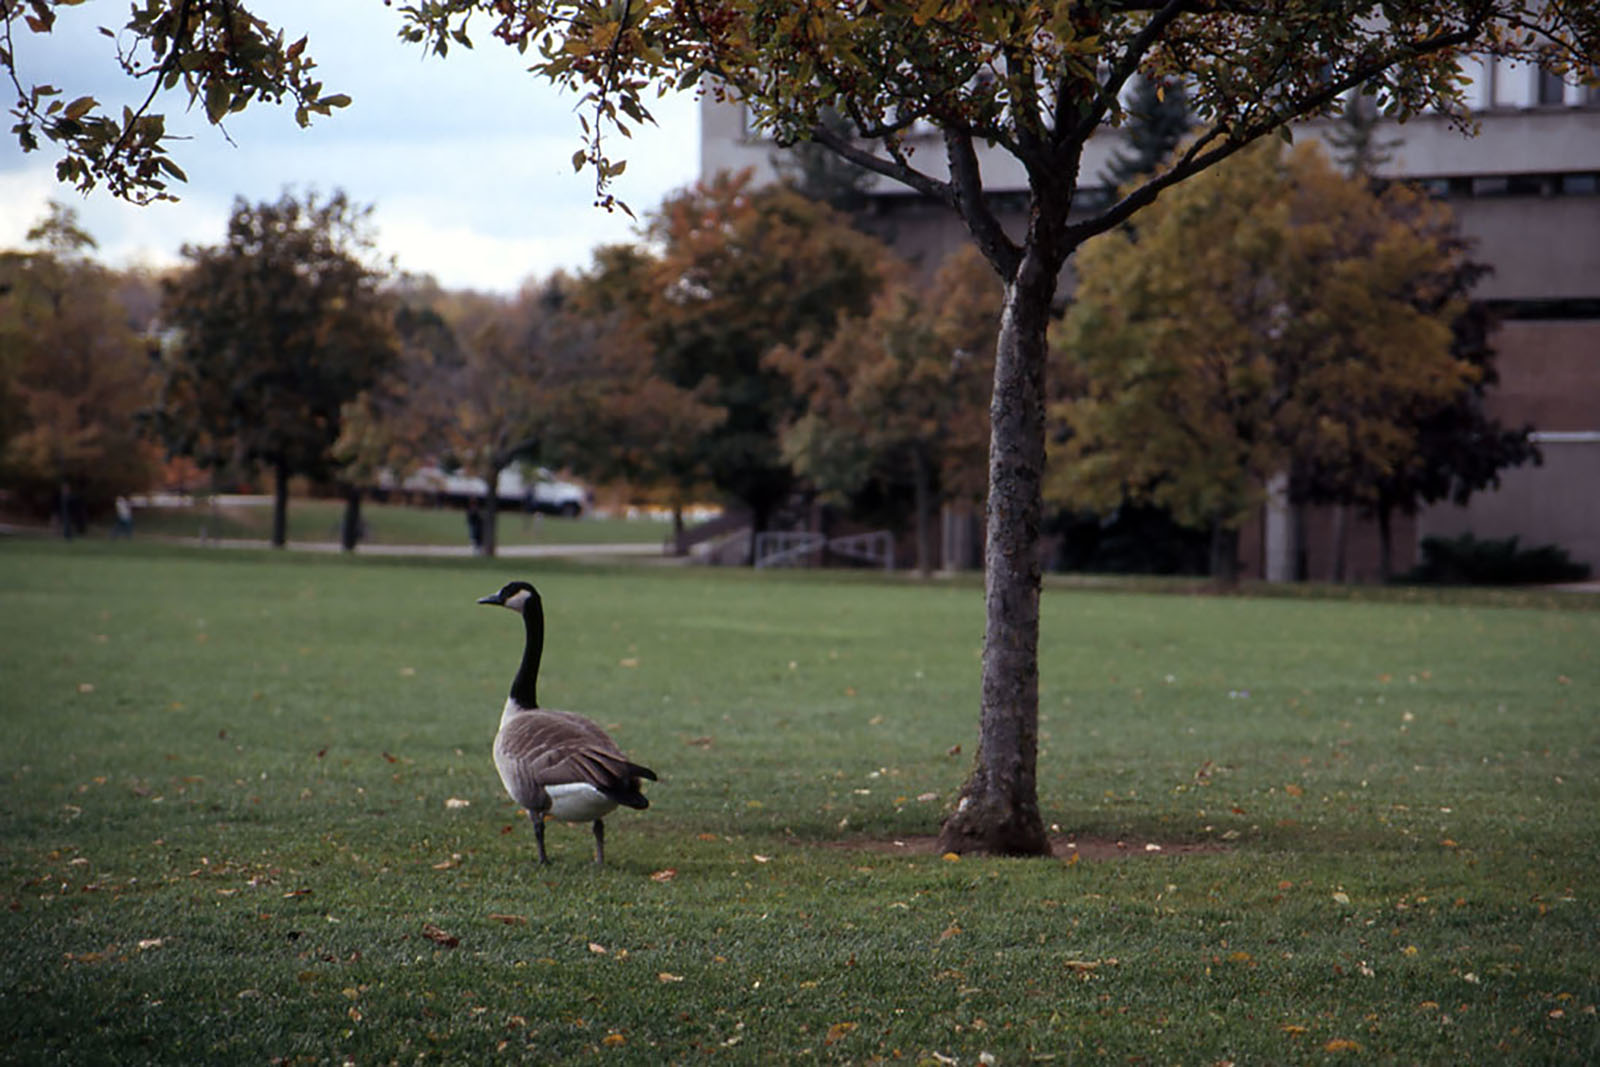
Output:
[[466, 160]]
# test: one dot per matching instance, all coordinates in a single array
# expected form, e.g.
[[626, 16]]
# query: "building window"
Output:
[[1513, 84], [1552, 89]]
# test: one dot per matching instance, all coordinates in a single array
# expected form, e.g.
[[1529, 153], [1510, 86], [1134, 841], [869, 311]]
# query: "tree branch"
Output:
[[1122, 71], [1198, 156], [966, 183]]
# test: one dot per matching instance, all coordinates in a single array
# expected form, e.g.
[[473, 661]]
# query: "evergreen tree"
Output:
[[1157, 119]]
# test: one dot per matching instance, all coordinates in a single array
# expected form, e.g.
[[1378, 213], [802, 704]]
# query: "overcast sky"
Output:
[[466, 160]]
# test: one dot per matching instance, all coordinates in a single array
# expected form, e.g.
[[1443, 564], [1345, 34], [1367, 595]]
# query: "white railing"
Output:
[[786, 548], [797, 548]]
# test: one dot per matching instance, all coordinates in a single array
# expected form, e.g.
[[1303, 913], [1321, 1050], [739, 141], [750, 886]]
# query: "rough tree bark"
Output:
[[997, 810]]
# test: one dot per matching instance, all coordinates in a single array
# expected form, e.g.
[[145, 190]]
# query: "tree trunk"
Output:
[[280, 503], [350, 530], [1224, 555], [922, 497], [1341, 540], [1385, 544], [491, 513], [997, 810], [760, 520], [680, 545], [1297, 535]]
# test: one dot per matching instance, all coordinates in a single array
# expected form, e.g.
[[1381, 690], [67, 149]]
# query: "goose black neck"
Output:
[[525, 686]]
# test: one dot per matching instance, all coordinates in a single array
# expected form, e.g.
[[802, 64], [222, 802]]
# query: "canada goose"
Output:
[[557, 763]]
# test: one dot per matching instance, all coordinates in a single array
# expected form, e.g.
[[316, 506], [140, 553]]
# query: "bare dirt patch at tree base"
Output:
[[1063, 846]]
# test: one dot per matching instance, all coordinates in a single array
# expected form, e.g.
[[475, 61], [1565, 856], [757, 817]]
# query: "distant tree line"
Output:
[[1273, 323]]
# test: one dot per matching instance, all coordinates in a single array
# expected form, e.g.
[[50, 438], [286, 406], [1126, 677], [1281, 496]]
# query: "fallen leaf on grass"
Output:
[[761, 859], [950, 931], [438, 936], [1342, 1044], [597, 948], [836, 1033], [664, 875], [613, 1040], [1294, 790], [1087, 968], [1341, 898], [1292, 1029], [666, 976], [456, 803]]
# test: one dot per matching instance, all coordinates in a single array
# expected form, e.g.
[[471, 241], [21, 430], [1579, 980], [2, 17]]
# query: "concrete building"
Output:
[[1526, 191]]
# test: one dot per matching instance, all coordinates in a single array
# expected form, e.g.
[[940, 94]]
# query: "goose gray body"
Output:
[[557, 764]]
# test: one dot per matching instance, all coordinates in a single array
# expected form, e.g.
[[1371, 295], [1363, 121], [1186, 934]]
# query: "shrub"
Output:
[[1466, 560]]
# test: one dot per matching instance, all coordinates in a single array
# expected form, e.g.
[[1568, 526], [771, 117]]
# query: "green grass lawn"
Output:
[[249, 815], [388, 524]]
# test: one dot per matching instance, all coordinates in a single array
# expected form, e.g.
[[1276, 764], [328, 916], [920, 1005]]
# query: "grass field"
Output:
[[249, 815], [387, 524]]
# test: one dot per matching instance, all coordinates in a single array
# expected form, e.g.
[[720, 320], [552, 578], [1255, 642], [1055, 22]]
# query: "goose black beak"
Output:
[[492, 598]]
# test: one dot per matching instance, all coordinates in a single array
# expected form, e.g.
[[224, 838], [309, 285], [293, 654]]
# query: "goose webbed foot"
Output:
[[599, 843]]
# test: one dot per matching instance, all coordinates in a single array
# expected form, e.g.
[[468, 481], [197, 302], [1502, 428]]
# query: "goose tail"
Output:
[[628, 794]]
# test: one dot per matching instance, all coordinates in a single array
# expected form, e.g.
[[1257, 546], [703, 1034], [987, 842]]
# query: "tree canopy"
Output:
[[900, 395], [271, 333], [1270, 318], [74, 373], [742, 271]]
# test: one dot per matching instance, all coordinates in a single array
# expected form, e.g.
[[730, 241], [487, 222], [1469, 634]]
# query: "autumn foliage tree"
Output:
[[271, 333], [621, 419], [74, 373], [901, 394], [1271, 319], [1033, 80], [742, 271]]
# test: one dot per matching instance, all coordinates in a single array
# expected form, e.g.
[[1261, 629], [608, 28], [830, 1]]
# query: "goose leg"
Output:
[[599, 842], [538, 834]]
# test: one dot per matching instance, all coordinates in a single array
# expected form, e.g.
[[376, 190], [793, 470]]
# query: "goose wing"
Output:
[[543, 748]]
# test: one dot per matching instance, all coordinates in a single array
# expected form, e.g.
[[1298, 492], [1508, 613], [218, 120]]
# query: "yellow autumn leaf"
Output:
[[612, 1040], [1342, 1044], [836, 1032]]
